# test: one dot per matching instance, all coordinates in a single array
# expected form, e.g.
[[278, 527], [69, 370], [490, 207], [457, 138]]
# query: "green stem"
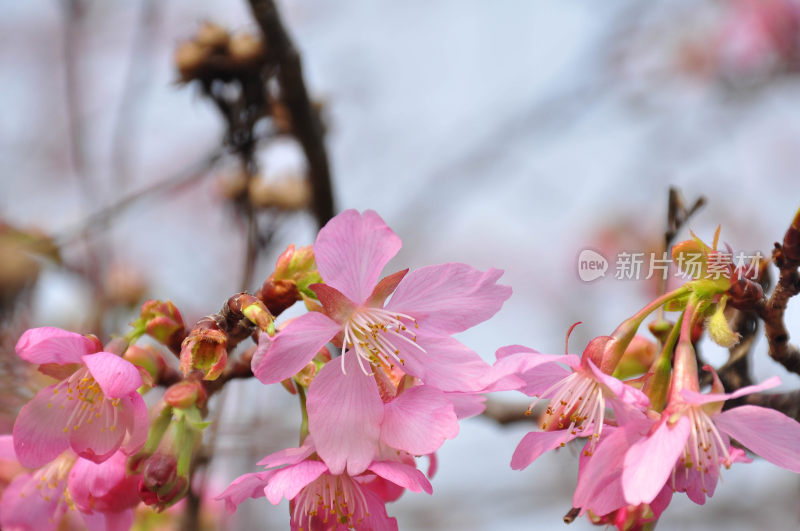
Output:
[[301, 393], [624, 333], [658, 377]]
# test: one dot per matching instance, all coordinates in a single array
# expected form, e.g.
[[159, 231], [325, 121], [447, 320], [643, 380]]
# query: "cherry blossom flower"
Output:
[[101, 494], [691, 440], [577, 396], [320, 499], [94, 409], [352, 419], [412, 330]]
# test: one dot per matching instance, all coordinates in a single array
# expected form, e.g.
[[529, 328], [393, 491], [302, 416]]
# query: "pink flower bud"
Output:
[[186, 393], [205, 350]]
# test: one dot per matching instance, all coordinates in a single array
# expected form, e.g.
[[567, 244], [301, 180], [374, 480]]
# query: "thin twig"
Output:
[[306, 123], [98, 219]]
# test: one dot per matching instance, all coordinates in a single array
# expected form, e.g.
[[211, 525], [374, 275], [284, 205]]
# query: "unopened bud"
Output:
[[290, 193], [306, 374], [205, 350], [162, 321], [637, 358], [212, 36], [148, 358], [190, 59], [185, 394], [246, 49], [719, 329], [258, 314], [161, 486]]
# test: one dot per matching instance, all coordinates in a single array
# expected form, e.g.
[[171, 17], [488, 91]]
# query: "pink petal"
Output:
[[385, 287], [23, 507], [697, 485], [53, 345], [288, 482], [449, 297], [764, 431], [695, 398], [467, 405], [136, 420], [402, 474], [377, 520], [621, 390], [351, 251], [244, 487], [537, 372], [293, 347], [100, 437], [344, 415], [118, 521], [39, 435], [600, 478], [337, 306], [7, 448], [446, 363], [649, 462], [115, 376], [88, 479], [419, 421], [289, 456], [535, 443]]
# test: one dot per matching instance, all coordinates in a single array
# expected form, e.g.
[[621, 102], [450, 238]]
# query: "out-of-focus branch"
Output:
[[506, 413], [787, 403], [101, 217], [306, 122], [786, 257]]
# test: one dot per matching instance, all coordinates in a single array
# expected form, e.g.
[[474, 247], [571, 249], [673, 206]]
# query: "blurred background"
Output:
[[507, 134]]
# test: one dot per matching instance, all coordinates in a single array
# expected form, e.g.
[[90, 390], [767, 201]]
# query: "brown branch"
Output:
[[506, 413], [101, 217], [306, 124], [787, 403], [786, 257]]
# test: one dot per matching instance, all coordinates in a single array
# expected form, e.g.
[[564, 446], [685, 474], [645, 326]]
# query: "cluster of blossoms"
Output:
[[382, 383], [396, 390], [664, 436]]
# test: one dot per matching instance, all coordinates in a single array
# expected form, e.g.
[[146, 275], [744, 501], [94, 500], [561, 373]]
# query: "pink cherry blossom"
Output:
[[412, 330], [102, 495], [352, 421], [94, 410], [691, 440], [577, 396], [320, 499]]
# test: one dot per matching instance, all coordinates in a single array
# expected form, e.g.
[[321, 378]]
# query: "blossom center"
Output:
[[330, 498], [705, 447], [576, 403], [49, 482], [81, 395], [376, 336]]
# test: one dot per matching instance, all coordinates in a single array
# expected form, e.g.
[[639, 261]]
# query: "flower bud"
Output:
[[246, 49], [212, 36], [162, 321], [185, 394], [637, 358], [161, 486], [205, 350], [719, 329], [190, 59], [258, 314], [148, 358]]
